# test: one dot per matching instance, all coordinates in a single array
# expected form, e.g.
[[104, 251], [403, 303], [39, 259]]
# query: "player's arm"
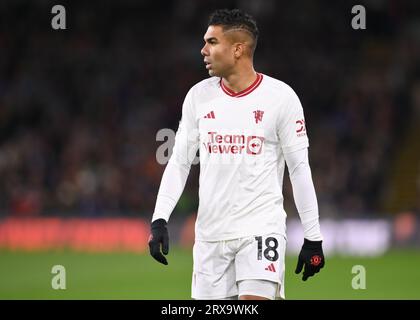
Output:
[[294, 144], [304, 193], [311, 256], [173, 180]]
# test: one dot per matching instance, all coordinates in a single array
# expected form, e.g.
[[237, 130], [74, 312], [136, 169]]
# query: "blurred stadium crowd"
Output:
[[80, 108]]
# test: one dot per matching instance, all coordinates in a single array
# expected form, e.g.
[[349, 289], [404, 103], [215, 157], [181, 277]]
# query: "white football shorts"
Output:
[[221, 268]]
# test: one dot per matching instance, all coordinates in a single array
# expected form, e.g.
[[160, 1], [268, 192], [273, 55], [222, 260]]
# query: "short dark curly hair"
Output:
[[235, 19]]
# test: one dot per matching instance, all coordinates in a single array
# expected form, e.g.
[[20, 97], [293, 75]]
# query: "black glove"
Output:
[[312, 257], [158, 236]]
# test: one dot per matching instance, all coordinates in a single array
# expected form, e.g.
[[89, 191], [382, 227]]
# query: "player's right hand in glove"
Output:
[[312, 257], [159, 236]]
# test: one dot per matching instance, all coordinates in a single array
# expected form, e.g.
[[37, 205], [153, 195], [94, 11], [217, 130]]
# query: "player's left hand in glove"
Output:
[[159, 236], [312, 257]]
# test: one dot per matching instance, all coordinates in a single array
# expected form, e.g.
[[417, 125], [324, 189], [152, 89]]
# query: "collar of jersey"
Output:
[[244, 92]]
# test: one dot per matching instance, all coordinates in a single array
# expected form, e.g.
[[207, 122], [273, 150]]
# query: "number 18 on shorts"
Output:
[[220, 265]]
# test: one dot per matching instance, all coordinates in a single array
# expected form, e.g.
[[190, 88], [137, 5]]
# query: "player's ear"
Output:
[[238, 50]]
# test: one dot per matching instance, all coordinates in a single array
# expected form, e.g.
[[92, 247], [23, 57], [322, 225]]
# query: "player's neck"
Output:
[[241, 80]]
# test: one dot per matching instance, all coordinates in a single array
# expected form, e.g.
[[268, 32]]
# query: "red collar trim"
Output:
[[244, 92]]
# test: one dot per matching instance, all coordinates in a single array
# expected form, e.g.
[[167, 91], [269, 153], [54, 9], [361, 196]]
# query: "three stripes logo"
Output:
[[210, 115], [271, 268]]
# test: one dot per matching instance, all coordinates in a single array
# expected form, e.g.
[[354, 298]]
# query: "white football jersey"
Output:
[[242, 138]]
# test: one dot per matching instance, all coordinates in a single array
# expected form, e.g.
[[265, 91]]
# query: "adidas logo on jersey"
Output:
[[210, 115], [271, 268]]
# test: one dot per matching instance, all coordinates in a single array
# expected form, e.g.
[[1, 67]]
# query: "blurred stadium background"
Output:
[[79, 113]]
